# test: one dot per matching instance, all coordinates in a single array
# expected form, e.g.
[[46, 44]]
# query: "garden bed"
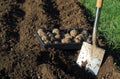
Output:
[[21, 55]]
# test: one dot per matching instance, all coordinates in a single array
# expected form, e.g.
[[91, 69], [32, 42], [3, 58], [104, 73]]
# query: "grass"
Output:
[[109, 20], [108, 25]]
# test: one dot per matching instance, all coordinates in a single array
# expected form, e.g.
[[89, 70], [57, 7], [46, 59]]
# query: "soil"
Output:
[[21, 55]]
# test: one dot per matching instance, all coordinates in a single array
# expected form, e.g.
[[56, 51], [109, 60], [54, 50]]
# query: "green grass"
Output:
[[109, 22]]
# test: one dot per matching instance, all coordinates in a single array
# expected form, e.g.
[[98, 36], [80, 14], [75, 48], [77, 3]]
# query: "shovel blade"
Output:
[[90, 57]]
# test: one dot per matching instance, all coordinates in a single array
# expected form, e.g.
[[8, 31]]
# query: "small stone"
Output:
[[50, 35], [38, 76], [103, 78], [101, 42], [56, 42], [52, 38], [89, 39], [84, 32], [12, 49]]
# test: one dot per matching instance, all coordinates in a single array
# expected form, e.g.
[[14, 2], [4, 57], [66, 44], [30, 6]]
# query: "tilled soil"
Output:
[[21, 55]]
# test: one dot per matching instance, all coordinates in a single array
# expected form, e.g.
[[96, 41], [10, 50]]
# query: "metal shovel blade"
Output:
[[90, 57]]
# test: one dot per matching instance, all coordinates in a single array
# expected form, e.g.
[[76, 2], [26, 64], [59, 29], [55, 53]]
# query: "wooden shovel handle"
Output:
[[99, 3]]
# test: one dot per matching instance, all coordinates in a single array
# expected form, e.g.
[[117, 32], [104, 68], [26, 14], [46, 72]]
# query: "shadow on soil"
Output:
[[66, 62], [3, 74], [52, 13], [10, 20], [87, 13], [43, 58], [116, 57], [13, 16], [20, 1]]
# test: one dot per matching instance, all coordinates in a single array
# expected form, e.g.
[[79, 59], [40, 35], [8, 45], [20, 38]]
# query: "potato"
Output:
[[56, 31], [79, 37], [44, 38], [73, 32], [67, 35], [46, 42], [57, 36], [41, 32], [65, 40], [76, 40]]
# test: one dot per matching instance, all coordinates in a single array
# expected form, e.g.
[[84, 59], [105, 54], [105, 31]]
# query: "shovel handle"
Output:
[[99, 3]]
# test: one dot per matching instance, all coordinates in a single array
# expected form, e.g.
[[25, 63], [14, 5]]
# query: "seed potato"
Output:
[[57, 36], [73, 32], [41, 32], [79, 37], [76, 40], [56, 31], [65, 40], [68, 36], [44, 38], [46, 42]]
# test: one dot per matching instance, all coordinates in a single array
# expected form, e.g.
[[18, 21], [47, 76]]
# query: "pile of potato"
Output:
[[57, 36]]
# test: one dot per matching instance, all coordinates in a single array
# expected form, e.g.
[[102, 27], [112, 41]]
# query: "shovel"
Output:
[[91, 56]]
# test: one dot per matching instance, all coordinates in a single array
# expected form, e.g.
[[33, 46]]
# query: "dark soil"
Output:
[[21, 55]]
